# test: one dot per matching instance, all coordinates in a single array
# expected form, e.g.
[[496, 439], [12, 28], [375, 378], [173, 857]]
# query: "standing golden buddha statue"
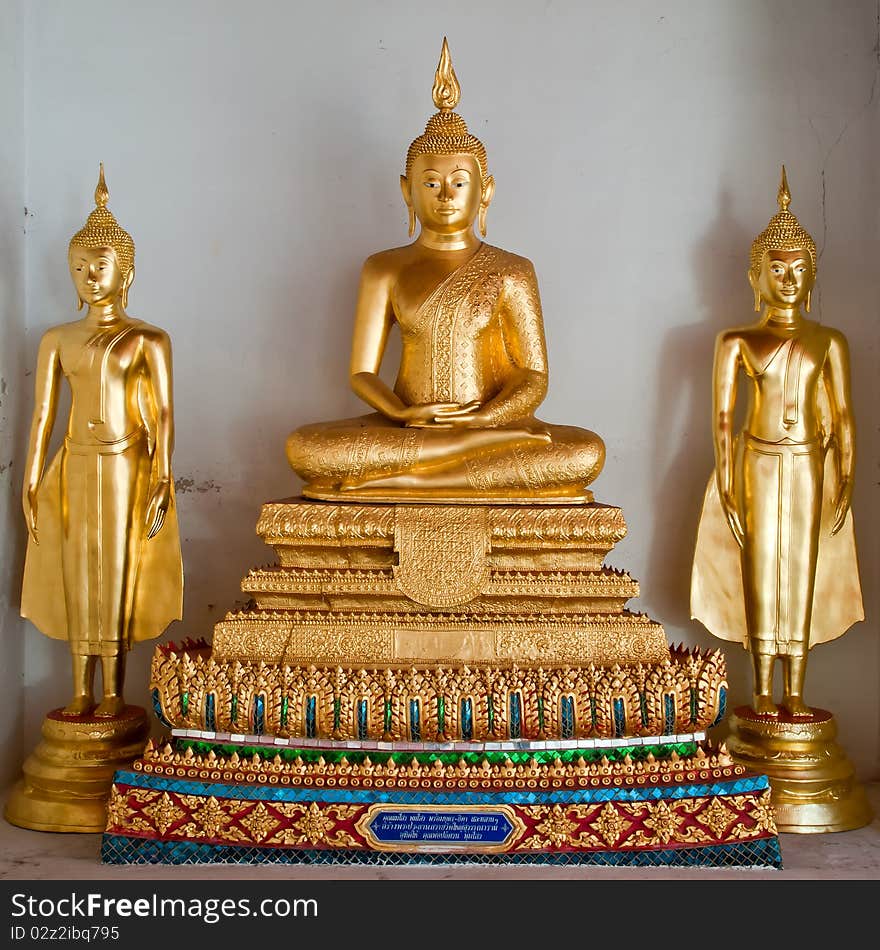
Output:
[[775, 564], [459, 423], [103, 567]]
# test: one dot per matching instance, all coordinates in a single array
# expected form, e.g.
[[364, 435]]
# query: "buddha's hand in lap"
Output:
[[432, 414], [472, 416]]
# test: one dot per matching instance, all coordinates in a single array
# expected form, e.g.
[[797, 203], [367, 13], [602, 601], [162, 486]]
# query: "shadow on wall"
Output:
[[683, 467]]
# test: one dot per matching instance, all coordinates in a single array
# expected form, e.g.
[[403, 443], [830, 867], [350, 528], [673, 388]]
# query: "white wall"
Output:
[[253, 151], [13, 405]]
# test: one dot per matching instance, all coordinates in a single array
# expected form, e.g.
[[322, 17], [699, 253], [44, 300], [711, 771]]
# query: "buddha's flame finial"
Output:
[[783, 196], [446, 91], [102, 194]]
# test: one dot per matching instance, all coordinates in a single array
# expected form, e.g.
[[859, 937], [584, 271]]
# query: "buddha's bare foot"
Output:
[[78, 706], [380, 481], [110, 707], [796, 707], [764, 706]]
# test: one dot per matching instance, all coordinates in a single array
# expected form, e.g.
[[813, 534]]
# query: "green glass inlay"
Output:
[[184, 703], [490, 713], [387, 723], [693, 705], [682, 749], [643, 707], [284, 705], [541, 713], [337, 713], [441, 714], [233, 712]]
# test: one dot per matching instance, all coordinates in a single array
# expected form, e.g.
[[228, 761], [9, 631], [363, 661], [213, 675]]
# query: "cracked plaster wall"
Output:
[[253, 152]]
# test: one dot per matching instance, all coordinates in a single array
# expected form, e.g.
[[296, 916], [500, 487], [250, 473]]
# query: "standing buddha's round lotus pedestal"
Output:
[[67, 778], [812, 782]]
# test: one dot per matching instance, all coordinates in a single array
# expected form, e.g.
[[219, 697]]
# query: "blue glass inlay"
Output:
[[120, 849], [619, 718], [722, 705], [467, 719], [311, 704], [362, 719], [210, 718], [157, 709], [425, 797], [668, 714], [259, 714], [566, 716], [515, 715], [415, 727]]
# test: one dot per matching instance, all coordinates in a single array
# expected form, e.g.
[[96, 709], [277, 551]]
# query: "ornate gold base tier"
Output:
[[401, 585], [67, 778], [683, 693], [813, 783], [644, 805]]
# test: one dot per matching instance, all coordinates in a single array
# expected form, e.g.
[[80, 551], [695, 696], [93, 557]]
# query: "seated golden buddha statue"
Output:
[[459, 423]]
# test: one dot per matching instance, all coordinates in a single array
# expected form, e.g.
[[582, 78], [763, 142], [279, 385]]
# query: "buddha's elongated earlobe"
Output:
[[407, 197], [485, 201], [754, 284], [123, 296], [808, 301]]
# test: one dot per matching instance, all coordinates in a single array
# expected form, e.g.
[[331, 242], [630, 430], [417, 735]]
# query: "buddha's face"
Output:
[[786, 278], [97, 275], [445, 191]]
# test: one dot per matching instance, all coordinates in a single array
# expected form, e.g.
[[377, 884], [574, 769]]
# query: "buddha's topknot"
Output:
[[446, 132], [783, 233], [102, 229]]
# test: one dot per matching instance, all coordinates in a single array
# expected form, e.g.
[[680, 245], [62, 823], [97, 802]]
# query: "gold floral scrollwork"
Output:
[[557, 827], [314, 825], [716, 816], [610, 824], [662, 820], [210, 816], [164, 813], [117, 809], [259, 821]]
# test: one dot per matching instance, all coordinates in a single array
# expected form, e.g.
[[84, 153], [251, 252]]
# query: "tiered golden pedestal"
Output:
[[67, 778], [812, 781], [439, 683]]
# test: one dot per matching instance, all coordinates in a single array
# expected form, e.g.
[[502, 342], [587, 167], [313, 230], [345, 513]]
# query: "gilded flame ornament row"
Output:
[[682, 693]]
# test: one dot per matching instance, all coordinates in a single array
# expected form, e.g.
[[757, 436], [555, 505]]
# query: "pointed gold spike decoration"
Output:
[[102, 194], [446, 91], [783, 196]]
